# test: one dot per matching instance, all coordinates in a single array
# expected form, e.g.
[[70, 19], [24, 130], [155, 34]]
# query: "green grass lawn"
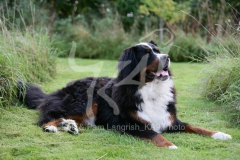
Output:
[[21, 138]]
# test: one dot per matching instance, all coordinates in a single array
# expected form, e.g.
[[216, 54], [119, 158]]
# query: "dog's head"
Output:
[[144, 62]]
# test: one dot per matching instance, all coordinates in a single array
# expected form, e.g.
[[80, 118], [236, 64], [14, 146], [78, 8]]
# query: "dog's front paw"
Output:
[[69, 126], [221, 136], [50, 129]]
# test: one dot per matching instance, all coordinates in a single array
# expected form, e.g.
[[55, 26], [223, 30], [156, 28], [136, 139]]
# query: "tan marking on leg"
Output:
[[198, 130], [172, 118], [76, 118], [160, 141], [53, 123], [136, 117], [91, 111]]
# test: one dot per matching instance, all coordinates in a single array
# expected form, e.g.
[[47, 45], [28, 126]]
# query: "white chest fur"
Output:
[[156, 96]]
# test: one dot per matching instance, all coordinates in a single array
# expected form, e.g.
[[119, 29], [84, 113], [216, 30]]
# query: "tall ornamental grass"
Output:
[[24, 56], [221, 77]]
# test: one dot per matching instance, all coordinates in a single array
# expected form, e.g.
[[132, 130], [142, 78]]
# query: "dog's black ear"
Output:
[[127, 62], [153, 42]]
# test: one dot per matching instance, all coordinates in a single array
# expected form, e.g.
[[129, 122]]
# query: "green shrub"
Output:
[[221, 81], [106, 39], [188, 48], [25, 56]]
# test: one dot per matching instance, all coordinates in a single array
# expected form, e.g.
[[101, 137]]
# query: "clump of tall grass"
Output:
[[24, 55], [221, 77]]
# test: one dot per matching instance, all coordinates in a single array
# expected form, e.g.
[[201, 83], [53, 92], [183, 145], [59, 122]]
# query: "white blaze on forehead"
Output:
[[146, 44]]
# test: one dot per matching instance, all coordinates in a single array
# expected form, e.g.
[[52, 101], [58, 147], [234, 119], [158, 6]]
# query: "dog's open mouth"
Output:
[[160, 75]]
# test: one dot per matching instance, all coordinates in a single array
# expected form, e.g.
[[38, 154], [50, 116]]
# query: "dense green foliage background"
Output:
[[102, 28]]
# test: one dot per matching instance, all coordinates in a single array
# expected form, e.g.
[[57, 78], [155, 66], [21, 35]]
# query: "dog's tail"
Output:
[[30, 94]]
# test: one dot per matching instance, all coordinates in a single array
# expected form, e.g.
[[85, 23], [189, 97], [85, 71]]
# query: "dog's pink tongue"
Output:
[[162, 73]]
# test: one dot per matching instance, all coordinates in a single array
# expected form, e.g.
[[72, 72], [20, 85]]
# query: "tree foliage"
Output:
[[167, 9], [134, 14], [128, 11]]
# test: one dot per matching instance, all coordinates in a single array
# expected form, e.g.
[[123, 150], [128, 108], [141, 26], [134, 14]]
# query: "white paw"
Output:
[[69, 126], [173, 147], [221, 136], [50, 129]]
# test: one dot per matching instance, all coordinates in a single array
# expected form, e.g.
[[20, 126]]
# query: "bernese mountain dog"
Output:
[[140, 101]]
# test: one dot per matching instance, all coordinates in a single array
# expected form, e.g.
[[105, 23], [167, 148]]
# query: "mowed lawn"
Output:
[[21, 138]]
